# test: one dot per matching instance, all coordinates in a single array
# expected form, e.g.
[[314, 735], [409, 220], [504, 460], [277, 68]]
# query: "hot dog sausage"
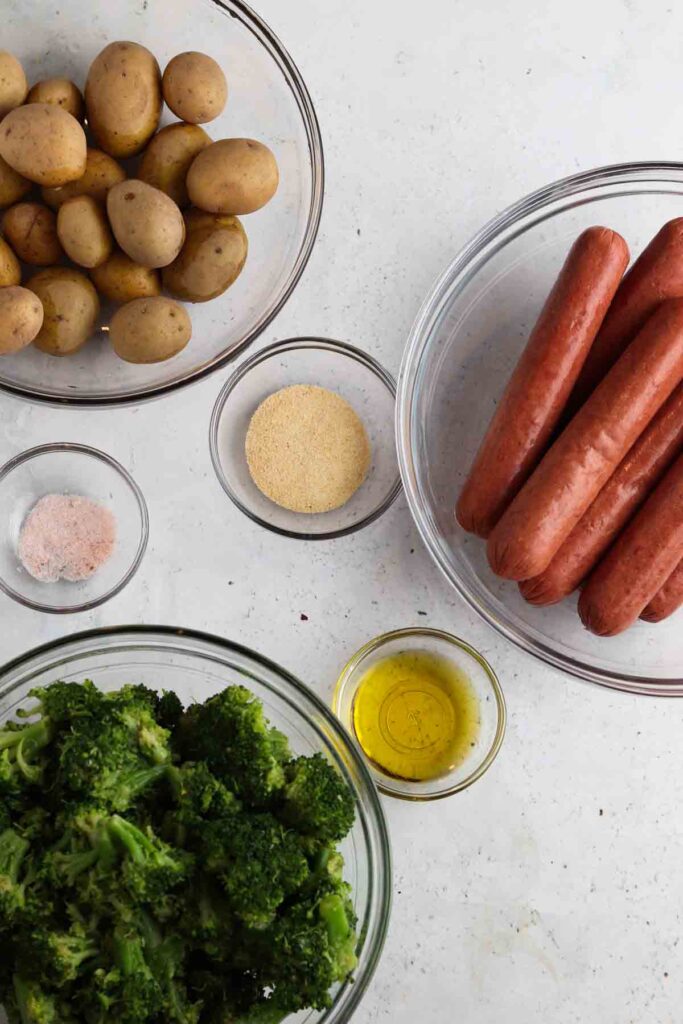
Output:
[[543, 378], [622, 495], [639, 563], [667, 600], [585, 455], [656, 275]]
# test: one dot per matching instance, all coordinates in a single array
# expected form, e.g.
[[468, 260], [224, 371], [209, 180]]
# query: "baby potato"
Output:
[[31, 230], [13, 84], [59, 91], [148, 225], [21, 316], [12, 186], [10, 271], [84, 232], [233, 176], [211, 259], [101, 172], [194, 87], [44, 143], [119, 279], [123, 98], [149, 330], [168, 156], [71, 308]]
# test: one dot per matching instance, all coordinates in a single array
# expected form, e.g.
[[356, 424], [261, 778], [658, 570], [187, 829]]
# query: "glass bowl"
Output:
[[268, 100], [196, 665], [482, 678], [79, 470], [355, 376], [461, 351]]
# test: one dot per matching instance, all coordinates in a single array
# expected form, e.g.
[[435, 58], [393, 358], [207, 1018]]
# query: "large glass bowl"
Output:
[[196, 665], [267, 100], [461, 351]]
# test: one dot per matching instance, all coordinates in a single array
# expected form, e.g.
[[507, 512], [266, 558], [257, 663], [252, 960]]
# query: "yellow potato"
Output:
[[13, 186], [71, 309], [149, 330], [148, 225], [43, 143], [168, 156], [59, 91], [211, 259], [194, 87], [84, 232], [21, 316], [101, 172], [123, 98], [13, 84], [10, 271], [119, 279], [233, 176], [31, 230]]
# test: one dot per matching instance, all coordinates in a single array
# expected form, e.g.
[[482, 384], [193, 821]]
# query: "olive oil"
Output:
[[416, 715]]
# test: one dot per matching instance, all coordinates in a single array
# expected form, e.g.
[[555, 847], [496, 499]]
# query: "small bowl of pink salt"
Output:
[[75, 527]]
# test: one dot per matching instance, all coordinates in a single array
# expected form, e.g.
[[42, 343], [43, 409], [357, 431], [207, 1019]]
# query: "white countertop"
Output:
[[550, 891]]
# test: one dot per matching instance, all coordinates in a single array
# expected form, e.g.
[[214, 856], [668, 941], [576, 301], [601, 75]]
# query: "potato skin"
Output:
[[119, 279], [84, 232], [13, 84], [44, 143], [21, 316], [149, 330], [101, 172], [13, 186], [194, 87], [59, 91], [147, 225], [31, 230], [168, 156], [71, 308], [233, 176], [123, 98], [10, 271], [211, 259]]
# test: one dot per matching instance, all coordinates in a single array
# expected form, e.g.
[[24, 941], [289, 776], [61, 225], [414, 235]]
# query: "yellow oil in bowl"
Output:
[[416, 715]]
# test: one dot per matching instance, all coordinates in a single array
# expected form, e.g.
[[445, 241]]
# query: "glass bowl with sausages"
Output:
[[540, 425]]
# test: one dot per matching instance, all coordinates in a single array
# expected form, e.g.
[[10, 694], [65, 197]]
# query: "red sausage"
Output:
[[656, 275], [668, 599], [639, 563], [622, 495], [579, 464], [537, 392]]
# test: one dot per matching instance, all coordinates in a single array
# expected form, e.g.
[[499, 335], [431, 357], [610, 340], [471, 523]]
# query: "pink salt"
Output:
[[66, 537]]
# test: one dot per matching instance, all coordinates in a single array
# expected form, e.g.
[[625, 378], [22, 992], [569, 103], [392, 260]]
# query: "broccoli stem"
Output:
[[24, 743], [13, 849], [333, 913], [135, 843]]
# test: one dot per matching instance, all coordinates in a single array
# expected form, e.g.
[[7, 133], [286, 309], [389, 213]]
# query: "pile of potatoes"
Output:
[[170, 227]]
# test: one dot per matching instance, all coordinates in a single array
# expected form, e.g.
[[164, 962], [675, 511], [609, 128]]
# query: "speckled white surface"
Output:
[[552, 889]]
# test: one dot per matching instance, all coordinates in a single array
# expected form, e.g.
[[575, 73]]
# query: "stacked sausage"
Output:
[[578, 481]]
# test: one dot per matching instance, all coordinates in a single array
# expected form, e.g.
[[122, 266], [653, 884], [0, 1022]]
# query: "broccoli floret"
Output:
[[13, 850], [21, 747], [231, 734], [317, 800], [169, 710], [150, 867], [57, 956], [127, 991], [31, 1004], [166, 957], [199, 795]]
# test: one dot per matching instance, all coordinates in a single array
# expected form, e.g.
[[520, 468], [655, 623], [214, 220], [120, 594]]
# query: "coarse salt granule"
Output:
[[66, 537]]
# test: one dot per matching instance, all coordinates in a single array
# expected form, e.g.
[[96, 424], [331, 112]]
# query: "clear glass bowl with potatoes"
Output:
[[153, 267], [462, 350]]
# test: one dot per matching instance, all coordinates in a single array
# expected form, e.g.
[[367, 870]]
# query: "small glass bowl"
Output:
[[355, 376], [70, 469], [493, 714]]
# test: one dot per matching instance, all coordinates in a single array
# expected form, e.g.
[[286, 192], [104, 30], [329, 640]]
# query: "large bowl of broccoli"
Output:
[[187, 834]]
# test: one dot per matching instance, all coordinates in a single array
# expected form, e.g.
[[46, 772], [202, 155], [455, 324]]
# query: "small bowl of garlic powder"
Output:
[[75, 527], [302, 438]]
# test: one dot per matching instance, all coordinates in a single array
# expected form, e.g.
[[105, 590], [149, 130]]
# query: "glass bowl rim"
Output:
[[60, 447], [351, 667], [420, 337], [297, 86], [381, 880], [304, 342]]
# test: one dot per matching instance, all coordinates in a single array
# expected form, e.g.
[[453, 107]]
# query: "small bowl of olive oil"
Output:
[[427, 710]]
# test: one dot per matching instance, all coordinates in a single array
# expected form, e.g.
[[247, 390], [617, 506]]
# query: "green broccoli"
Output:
[[57, 956], [29, 1003], [166, 956], [21, 747], [317, 800], [13, 850], [127, 990]]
